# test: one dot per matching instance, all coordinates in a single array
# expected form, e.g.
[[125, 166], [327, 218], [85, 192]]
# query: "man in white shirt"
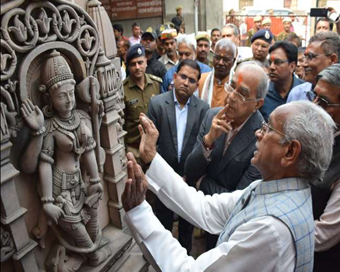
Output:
[[266, 227], [135, 38]]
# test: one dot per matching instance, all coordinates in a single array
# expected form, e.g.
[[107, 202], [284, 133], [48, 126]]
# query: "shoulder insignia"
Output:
[[156, 78]]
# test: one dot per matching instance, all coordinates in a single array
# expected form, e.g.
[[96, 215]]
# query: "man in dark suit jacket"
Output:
[[177, 116], [220, 160]]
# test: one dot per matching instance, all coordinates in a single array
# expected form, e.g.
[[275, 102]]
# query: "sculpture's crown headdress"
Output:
[[55, 69]]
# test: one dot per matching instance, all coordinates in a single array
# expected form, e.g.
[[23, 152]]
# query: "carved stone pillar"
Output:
[[102, 20], [12, 213], [112, 134]]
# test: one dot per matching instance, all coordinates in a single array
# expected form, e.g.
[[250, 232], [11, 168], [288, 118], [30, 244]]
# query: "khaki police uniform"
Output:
[[282, 36], [136, 101]]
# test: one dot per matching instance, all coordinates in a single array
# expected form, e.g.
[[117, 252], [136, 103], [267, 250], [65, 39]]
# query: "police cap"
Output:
[[263, 34], [135, 51]]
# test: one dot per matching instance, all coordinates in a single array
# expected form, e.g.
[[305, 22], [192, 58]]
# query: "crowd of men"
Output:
[[246, 147]]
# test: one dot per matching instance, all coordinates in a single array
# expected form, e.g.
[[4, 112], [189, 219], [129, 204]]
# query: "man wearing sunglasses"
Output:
[[211, 85], [322, 51], [326, 195], [282, 63], [177, 115], [220, 161], [268, 226]]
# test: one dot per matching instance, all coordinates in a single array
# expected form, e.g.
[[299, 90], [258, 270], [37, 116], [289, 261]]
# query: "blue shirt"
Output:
[[170, 73], [273, 99], [300, 92], [181, 124]]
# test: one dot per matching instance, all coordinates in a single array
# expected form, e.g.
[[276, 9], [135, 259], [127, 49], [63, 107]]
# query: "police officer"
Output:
[[154, 67], [260, 44], [139, 87]]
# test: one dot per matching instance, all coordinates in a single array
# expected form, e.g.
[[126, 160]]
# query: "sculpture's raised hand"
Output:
[[149, 136], [53, 212], [136, 185], [32, 115]]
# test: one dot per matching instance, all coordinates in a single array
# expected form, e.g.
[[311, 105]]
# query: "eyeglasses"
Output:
[[226, 60], [190, 80], [322, 102], [239, 97], [277, 62], [311, 56], [265, 128]]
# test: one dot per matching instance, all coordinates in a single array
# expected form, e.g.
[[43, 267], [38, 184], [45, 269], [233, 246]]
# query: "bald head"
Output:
[[258, 72]]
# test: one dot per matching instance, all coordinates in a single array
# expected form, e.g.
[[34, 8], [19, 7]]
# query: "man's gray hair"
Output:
[[330, 42], [331, 75], [235, 29], [189, 40], [226, 44], [313, 127], [262, 87]]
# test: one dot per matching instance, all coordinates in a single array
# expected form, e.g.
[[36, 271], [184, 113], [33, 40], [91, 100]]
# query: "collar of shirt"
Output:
[[272, 90], [176, 101], [147, 79], [221, 83], [166, 60], [231, 135], [285, 184]]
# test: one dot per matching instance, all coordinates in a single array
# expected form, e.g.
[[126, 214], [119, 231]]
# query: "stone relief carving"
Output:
[[63, 137], [7, 246], [29, 31]]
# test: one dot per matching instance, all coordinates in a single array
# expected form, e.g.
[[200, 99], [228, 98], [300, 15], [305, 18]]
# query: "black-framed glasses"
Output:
[[226, 60], [322, 102], [277, 62], [310, 56], [229, 89], [190, 79]]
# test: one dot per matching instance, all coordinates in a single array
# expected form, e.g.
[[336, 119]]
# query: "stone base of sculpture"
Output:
[[113, 241]]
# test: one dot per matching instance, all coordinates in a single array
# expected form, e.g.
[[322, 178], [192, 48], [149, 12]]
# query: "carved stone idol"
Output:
[[61, 146]]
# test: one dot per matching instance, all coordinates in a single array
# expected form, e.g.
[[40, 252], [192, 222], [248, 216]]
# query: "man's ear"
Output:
[[174, 76], [292, 66], [259, 104], [334, 58], [292, 154]]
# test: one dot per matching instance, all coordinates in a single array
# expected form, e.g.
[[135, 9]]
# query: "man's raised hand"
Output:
[[149, 136], [136, 185]]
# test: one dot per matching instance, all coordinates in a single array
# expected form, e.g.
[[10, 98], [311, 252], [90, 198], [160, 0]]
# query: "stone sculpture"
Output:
[[61, 147]]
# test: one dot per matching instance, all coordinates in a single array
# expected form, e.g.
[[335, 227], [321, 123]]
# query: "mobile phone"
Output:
[[318, 12]]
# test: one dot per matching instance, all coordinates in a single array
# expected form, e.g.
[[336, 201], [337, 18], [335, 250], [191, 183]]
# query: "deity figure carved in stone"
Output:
[[61, 145]]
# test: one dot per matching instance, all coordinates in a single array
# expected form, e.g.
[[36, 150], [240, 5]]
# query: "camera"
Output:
[[318, 12], [323, 12]]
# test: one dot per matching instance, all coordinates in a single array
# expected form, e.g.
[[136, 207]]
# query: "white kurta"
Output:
[[262, 244], [327, 228]]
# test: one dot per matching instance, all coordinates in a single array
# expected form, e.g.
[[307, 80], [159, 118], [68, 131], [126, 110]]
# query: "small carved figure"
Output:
[[62, 140]]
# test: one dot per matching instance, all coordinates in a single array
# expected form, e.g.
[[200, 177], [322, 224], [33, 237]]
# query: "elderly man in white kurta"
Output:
[[268, 226]]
